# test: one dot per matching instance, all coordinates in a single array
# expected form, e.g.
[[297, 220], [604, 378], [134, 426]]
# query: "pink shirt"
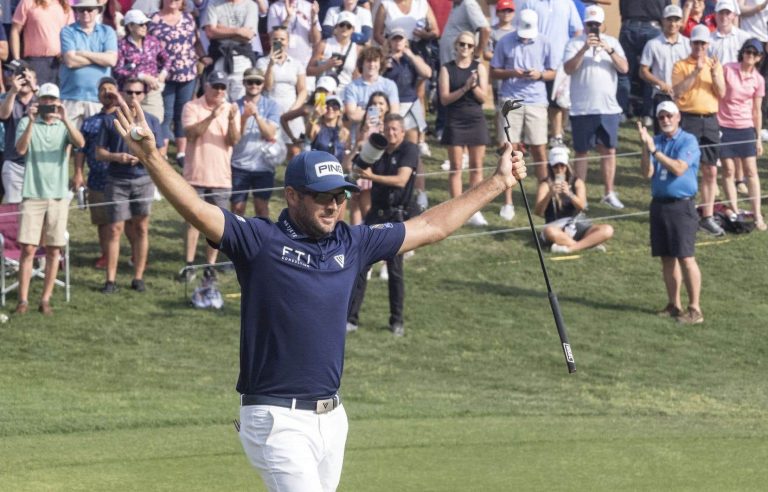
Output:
[[41, 27], [740, 91], [207, 161]]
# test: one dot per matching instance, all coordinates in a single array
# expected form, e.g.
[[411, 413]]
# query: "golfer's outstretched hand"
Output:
[[511, 166], [132, 126]]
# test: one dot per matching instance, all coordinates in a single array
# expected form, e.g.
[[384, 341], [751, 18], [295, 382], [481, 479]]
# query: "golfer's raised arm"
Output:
[[205, 217], [439, 222]]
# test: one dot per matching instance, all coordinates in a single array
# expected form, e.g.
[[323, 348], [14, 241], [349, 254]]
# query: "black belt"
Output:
[[638, 21], [319, 406], [671, 200], [699, 115]]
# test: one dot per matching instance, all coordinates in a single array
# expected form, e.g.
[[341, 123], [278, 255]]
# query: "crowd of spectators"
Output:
[[235, 87]]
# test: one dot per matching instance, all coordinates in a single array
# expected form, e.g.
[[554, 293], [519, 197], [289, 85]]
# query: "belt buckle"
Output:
[[325, 406]]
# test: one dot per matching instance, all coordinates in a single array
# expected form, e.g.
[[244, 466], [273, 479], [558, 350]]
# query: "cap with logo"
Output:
[[528, 25], [725, 5], [700, 33], [667, 107], [559, 155], [505, 5], [217, 78], [48, 90], [594, 14], [135, 16], [673, 10], [316, 170], [253, 73]]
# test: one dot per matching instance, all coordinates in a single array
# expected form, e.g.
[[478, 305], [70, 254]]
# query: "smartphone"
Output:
[[593, 29], [337, 56], [559, 178], [45, 109], [277, 46], [320, 99], [372, 116]]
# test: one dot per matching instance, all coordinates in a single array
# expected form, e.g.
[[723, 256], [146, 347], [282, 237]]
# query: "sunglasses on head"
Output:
[[134, 93], [345, 25], [325, 198], [462, 44], [254, 82]]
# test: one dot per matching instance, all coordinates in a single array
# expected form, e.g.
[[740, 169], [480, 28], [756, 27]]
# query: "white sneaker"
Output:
[[764, 134], [557, 248], [422, 200], [600, 248], [351, 327], [384, 273], [465, 161], [612, 200], [446, 165], [409, 254], [507, 212], [424, 149], [477, 220], [368, 276]]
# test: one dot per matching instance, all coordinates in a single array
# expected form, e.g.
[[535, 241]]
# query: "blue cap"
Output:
[[754, 43], [317, 171]]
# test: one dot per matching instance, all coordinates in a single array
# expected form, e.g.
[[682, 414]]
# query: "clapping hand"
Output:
[[645, 137]]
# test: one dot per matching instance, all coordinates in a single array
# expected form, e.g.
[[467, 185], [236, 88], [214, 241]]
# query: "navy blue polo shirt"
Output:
[[683, 146], [295, 296], [403, 73], [113, 142]]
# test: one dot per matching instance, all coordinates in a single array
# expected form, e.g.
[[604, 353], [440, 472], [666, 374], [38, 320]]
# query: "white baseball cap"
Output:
[[347, 16], [725, 5], [559, 155], [673, 10], [594, 14], [700, 33], [667, 107], [135, 16], [49, 90], [528, 25], [328, 83]]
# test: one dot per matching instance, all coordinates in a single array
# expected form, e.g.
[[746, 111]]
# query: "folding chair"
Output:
[[10, 252]]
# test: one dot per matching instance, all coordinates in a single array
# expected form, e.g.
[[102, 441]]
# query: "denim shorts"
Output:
[[245, 181], [591, 129]]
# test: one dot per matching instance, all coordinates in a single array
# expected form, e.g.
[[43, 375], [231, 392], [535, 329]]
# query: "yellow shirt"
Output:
[[207, 160], [701, 97]]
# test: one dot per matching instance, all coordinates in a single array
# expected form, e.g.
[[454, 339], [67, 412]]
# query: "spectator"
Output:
[[523, 63], [412, 16], [639, 24], [257, 154], [44, 137], [741, 121], [726, 41], [98, 170], [177, 33], [561, 200], [89, 51], [112, 16], [363, 27], [129, 191], [660, 55], [337, 55], [212, 128], [670, 160], [593, 61], [558, 21], [325, 87], [142, 56], [463, 84], [325, 129], [39, 23], [358, 92], [698, 83], [300, 17], [754, 18], [22, 86], [285, 84], [232, 26], [393, 182], [694, 14]]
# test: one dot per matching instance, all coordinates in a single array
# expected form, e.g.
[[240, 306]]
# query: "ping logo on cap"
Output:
[[328, 168]]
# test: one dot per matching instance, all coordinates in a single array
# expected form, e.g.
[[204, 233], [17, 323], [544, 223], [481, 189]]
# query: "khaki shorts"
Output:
[[528, 125], [153, 103], [44, 215], [99, 215], [77, 111]]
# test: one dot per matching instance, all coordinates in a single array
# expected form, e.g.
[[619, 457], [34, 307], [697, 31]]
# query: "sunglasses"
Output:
[[254, 82], [333, 106], [461, 44], [324, 198], [698, 42], [134, 93], [505, 11], [751, 52], [86, 9], [665, 116], [219, 87], [345, 25]]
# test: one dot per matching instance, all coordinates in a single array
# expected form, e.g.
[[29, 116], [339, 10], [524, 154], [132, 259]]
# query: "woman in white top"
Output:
[[415, 17], [285, 82], [337, 55]]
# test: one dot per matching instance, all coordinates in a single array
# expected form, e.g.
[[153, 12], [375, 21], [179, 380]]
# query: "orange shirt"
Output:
[[208, 157], [41, 27], [701, 97]]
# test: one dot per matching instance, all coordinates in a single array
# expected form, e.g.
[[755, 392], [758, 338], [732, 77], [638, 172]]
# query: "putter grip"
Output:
[[555, 305]]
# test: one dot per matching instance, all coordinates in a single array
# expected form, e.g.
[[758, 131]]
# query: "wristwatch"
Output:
[[655, 151]]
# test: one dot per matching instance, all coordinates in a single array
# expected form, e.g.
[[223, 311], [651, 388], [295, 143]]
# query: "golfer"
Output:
[[296, 277]]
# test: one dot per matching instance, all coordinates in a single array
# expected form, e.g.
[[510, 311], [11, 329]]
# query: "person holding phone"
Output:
[[337, 55], [21, 81], [561, 199]]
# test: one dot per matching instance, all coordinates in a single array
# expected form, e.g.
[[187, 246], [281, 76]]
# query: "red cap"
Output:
[[505, 5]]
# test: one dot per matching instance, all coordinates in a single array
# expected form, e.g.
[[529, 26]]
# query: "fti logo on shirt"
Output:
[[295, 256], [328, 168]]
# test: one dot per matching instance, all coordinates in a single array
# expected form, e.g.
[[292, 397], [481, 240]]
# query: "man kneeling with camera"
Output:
[[392, 171]]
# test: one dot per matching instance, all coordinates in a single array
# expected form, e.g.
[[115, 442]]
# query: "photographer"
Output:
[[392, 175], [20, 80]]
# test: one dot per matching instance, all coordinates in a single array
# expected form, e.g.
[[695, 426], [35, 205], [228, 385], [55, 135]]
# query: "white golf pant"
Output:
[[295, 450]]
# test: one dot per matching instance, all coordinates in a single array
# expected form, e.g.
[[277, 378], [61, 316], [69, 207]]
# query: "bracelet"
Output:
[[613, 50]]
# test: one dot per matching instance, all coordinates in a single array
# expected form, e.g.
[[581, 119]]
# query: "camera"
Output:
[[46, 109], [371, 152]]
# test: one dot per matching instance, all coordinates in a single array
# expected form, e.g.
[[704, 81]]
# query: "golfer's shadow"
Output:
[[508, 291]]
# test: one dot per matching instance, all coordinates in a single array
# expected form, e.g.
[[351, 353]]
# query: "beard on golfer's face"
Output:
[[316, 220]]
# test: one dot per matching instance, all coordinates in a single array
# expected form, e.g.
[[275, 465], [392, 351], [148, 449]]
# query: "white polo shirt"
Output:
[[726, 46], [660, 55], [593, 85]]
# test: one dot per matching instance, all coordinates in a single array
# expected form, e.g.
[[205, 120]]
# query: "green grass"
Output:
[[136, 391]]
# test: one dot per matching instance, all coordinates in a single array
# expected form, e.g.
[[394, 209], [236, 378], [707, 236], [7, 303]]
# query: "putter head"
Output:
[[511, 105]]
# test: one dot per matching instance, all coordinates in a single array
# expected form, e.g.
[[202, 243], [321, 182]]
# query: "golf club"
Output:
[[511, 105]]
